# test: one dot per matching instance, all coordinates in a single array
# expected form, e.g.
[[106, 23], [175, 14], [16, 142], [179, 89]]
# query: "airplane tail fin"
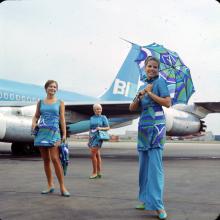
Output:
[[125, 84]]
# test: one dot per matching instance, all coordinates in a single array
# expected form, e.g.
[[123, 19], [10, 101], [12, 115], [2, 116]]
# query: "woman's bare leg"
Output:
[[94, 160], [99, 161], [54, 154], [45, 154]]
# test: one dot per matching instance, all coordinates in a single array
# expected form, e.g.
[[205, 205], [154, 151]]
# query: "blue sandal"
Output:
[[65, 194], [140, 206], [162, 215], [47, 191], [93, 177]]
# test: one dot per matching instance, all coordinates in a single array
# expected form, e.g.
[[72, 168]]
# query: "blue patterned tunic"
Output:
[[96, 121], [151, 126], [49, 131]]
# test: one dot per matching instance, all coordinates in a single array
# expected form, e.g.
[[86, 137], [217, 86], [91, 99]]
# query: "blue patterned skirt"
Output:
[[94, 140], [46, 137], [49, 132]]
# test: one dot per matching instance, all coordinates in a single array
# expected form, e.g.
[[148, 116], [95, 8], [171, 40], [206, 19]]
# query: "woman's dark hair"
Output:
[[50, 82], [151, 58]]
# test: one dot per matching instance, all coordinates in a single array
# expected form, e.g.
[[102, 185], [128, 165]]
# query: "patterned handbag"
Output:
[[103, 135]]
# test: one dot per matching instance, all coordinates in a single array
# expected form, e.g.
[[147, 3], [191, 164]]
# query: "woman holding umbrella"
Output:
[[51, 113], [151, 137]]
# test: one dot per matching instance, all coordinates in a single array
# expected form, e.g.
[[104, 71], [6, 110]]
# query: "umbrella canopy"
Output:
[[172, 69], [64, 156]]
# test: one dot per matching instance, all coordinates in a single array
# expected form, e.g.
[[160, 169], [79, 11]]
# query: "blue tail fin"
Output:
[[124, 87]]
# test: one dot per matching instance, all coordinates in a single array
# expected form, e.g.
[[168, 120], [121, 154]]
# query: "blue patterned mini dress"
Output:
[[151, 126], [96, 121], [49, 130]]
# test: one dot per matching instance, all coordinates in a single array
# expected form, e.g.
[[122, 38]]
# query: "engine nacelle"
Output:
[[180, 123], [15, 128]]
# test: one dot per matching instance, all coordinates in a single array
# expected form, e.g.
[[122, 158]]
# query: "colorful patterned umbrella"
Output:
[[172, 69], [64, 156]]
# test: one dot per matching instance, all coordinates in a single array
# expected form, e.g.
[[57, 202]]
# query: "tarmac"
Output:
[[192, 179]]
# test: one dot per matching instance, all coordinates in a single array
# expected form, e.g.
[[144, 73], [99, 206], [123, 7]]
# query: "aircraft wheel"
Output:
[[16, 149], [27, 149]]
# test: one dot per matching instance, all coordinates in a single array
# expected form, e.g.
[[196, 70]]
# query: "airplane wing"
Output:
[[109, 108], [117, 111], [211, 107], [200, 109]]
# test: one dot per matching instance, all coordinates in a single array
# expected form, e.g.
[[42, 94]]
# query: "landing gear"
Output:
[[16, 149], [19, 148]]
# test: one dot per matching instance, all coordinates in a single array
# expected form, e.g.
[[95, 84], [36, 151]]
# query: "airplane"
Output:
[[18, 105]]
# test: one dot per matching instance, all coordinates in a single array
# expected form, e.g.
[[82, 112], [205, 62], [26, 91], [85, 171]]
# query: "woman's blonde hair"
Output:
[[96, 105]]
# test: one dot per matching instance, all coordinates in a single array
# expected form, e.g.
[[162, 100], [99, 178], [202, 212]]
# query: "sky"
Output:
[[78, 43]]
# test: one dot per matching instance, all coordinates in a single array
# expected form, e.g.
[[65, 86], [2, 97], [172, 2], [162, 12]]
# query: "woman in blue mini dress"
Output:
[[97, 122], [151, 137], [51, 113]]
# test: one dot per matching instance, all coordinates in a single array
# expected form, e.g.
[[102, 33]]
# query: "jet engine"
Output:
[[180, 123], [17, 129]]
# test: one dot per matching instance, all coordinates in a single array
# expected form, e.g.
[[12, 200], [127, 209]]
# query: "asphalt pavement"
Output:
[[191, 185]]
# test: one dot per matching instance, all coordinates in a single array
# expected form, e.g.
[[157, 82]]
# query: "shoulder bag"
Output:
[[104, 135]]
